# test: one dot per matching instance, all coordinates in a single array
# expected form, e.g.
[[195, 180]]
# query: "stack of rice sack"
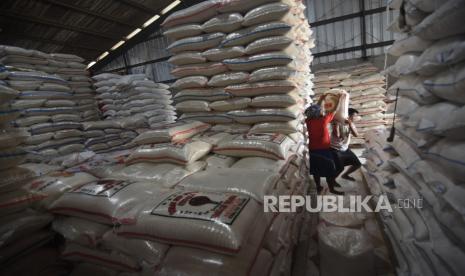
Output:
[[21, 228], [426, 158], [242, 63], [134, 96], [366, 87]]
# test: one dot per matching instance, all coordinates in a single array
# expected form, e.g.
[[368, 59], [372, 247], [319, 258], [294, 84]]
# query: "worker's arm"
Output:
[[353, 129], [322, 98]]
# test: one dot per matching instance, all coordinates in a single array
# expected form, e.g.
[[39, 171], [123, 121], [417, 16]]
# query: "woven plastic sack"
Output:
[[231, 128], [273, 146], [228, 105], [183, 31], [449, 84], [255, 184], [196, 43], [12, 138], [265, 13], [412, 87], [80, 231], [253, 116], [404, 65], [21, 224], [272, 73], [17, 200], [194, 14], [241, 6], [443, 22], [250, 34], [105, 201], [76, 253], [268, 44], [226, 79], [192, 106], [53, 186], [196, 219], [206, 69], [14, 178], [449, 154], [92, 269], [190, 82], [408, 44], [182, 153], [7, 94], [261, 88], [216, 161], [214, 94], [172, 133], [276, 127], [284, 100], [224, 23], [220, 54], [11, 157], [258, 61], [208, 117]]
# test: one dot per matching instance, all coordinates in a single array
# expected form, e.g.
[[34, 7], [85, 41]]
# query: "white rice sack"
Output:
[[265, 13], [272, 73], [213, 221], [196, 43], [31, 95], [250, 34], [261, 88], [190, 82], [208, 117], [145, 252], [228, 105], [229, 78], [443, 22], [427, 5], [241, 6], [50, 127], [80, 231], [106, 201], [187, 58], [258, 61], [253, 116], [54, 186], [220, 54], [284, 100], [273, 146], [276, 127], [450, 155], [7, 114], [172, 133], [408, 44], [11, 157], [181, 153], [268, 44], [224, 23], [194, 14], [406, 106], [206, 69], [216, 161], [231, 128], [255, 184], [449, 84], [95, 125], [214, 94], [14, 178], [10, 138], [80, 254], [412, 87], [192, 106], [183, 31], [404, 65], [19, 225], [17, 200], [441, 55], [7, 94]]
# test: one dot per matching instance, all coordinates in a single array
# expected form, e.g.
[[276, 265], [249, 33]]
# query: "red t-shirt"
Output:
[[318, 132]]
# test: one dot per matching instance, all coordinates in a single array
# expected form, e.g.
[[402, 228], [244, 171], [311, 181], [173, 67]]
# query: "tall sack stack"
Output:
[[21, 228], [366, 87], [425, 160]]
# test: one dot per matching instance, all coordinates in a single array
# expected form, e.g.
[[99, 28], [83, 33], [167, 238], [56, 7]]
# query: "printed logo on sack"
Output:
[[335, 203]]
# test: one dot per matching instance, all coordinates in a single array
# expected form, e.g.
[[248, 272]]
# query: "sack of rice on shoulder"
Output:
[[218, 222], [274, 146]]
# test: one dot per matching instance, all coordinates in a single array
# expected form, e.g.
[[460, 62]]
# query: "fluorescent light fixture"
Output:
[[103, 55], [151, 20], [90, 64], [116, 46], [136, 31], [171, 6]]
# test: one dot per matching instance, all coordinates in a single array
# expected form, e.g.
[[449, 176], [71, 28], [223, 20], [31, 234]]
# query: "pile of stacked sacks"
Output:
[[187, 193], [132, 96], [242, 64], [366, 87], [425, 160], [23, 230]]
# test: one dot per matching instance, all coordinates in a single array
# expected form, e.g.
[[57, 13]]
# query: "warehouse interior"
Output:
[[232, 137]]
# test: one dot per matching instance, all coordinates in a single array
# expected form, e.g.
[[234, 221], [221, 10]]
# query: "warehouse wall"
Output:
[[328, 37]]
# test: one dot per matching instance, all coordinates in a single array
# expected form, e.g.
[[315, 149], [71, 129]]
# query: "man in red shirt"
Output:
[[323, 161]]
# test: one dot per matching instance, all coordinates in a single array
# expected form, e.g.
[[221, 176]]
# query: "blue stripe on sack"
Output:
[[447, 159], [258, 60], [9, 111], [252, 33]]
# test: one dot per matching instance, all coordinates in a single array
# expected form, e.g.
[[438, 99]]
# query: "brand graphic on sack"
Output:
[[103, 188], [224, 208]]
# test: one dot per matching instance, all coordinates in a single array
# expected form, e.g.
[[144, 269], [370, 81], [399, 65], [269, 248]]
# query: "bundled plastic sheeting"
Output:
[[196, 219], [273, 146], [181, 153]]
